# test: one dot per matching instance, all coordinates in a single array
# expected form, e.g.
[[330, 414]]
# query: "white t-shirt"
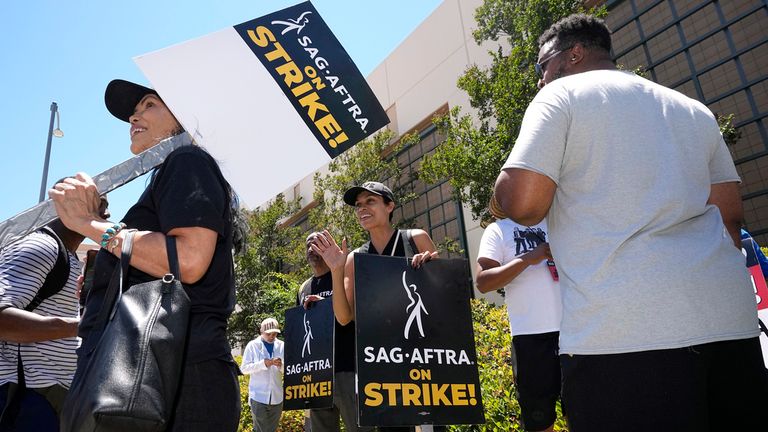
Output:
[[645, 263], [533, 297], [24, 266]]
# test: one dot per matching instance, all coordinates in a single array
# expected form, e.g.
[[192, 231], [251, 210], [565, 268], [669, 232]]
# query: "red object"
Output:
[[758, 279], [553, 271]]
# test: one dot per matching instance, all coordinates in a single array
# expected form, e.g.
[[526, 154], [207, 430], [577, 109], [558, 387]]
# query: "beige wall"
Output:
[[419, 77]]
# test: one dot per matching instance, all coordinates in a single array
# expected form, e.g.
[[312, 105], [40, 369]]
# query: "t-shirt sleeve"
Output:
[[721, 166], [189, 193], [23, 268], [492, 244], [540, 146]]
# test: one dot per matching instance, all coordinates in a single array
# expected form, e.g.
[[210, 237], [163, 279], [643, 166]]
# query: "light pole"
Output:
[[51, 133]]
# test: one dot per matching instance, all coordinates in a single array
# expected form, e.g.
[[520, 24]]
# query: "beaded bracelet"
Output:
[[110, 234]]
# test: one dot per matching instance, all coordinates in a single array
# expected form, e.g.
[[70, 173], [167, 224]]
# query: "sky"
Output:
[[67, 52]]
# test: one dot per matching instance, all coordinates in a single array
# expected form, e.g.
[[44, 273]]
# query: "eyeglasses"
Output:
[[539, 67]]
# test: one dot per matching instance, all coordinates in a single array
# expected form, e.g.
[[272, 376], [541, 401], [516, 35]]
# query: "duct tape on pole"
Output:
[[36, 217]]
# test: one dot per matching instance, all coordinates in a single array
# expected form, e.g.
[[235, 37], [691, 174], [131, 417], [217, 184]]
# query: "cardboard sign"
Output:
[[308, 376], [416, 359], [272, 99]]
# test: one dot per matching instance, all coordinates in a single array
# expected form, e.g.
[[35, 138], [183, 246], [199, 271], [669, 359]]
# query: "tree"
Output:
[[369, 160], [263, 288], [476, 147]]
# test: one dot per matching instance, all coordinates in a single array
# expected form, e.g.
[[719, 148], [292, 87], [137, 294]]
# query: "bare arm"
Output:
[[20, 326], [344, 292], [427, 250], [524, 196], [342, 266], [491, 275], [727, 198], [77, 204]]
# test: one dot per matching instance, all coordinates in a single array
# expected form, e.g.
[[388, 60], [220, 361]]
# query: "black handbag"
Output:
[[131, 379]]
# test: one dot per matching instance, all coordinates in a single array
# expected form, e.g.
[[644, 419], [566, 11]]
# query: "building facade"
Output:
[[714, 51]]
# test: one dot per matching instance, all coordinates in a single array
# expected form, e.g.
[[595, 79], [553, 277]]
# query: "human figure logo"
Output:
[[307, 337], [415, 308], [294, 24]]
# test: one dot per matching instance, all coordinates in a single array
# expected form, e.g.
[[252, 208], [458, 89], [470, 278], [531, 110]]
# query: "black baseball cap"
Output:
[[373, 187], [121, 98]]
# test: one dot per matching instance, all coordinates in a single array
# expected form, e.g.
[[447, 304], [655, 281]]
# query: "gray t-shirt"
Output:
[[644, 262]]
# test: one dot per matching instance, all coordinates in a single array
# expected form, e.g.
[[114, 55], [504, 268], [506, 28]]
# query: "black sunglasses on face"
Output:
[[539, 67]]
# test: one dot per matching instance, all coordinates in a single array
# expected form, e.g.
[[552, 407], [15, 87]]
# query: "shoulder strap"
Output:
[[303, 291], [364, 248], [57, 277], [409, 246]]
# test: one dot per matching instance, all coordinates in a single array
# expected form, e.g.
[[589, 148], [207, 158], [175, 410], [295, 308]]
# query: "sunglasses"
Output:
[[540, 67]]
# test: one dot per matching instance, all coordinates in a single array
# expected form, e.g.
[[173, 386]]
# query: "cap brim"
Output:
[[121, 97], [272, 331], [351, 194]]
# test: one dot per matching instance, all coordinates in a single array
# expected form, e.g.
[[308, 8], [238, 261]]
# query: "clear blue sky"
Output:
[[67, 52]]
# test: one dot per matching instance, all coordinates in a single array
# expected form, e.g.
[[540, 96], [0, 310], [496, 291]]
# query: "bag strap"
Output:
[[173, 257], [57, 277], [410, 245]]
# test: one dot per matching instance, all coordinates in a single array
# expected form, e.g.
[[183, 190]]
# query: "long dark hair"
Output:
[[237, 219]]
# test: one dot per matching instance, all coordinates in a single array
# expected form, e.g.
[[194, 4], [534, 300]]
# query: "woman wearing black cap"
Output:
[[187, 197], [374, 204]]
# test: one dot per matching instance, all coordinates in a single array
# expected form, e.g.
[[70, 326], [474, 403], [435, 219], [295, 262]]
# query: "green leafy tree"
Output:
[[372, 159], [263, 288], [477, 146]]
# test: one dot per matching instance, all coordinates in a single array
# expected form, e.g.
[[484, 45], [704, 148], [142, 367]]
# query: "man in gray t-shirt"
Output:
[[644, 209]]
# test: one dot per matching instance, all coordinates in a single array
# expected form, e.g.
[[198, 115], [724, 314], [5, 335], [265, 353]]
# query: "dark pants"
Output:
[[35, 412], [536, 367], [709, 387], [209, 398]]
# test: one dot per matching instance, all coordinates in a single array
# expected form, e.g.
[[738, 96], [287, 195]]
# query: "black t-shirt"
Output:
[[187, 190], [344, 345]]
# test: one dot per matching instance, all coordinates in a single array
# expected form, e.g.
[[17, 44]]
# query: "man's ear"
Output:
[[576, 53]]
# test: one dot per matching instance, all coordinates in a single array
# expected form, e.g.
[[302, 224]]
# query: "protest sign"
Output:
[[308, 379], [749, 248], [416, 358], [272, 99]]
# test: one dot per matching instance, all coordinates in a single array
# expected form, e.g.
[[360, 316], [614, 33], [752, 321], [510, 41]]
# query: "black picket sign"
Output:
[[316, 74], [308, 379], [416, 359]]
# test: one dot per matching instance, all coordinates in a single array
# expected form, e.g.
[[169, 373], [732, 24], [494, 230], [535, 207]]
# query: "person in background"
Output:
[[316, 288], [374, 203], [263, 361], [39, 318], [532, 295]]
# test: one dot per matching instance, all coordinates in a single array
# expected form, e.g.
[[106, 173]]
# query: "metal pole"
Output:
[[44, 182]]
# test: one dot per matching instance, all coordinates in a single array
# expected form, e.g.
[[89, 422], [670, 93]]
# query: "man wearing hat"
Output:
[[532, 294], [263, 361]]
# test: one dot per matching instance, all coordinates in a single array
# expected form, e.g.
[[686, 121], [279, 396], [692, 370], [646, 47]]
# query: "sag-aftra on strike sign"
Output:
[[416, 358]]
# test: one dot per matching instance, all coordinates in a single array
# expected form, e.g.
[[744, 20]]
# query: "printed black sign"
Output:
[[416, 358], [316, 74], [308, 379]]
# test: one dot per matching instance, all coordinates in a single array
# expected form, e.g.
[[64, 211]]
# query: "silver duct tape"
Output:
[[43, 213]]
